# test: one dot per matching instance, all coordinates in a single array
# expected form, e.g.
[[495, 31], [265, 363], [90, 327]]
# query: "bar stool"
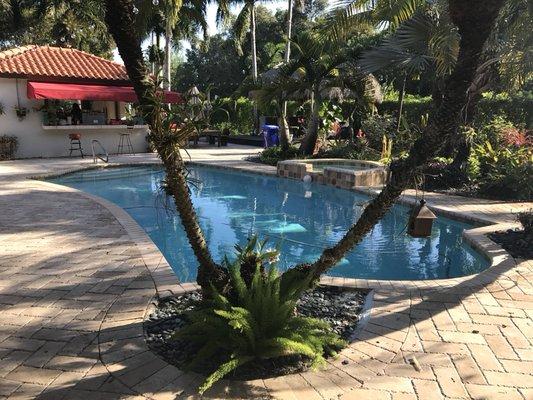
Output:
[[125, 142], [75, 143]]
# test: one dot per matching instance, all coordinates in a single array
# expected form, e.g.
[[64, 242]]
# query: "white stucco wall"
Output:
[[34, 141]]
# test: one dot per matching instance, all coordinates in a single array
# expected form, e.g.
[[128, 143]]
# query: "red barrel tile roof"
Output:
[[58, 62]]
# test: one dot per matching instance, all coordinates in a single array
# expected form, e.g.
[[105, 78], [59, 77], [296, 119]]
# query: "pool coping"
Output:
[[167, 284]]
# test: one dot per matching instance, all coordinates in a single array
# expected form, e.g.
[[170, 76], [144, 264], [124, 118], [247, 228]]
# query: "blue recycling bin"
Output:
[[270, 135]]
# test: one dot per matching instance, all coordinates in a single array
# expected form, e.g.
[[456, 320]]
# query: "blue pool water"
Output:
[[302, 218]]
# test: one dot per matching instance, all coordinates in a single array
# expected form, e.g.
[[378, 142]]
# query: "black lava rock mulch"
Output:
[[341, 308], [517, 242]]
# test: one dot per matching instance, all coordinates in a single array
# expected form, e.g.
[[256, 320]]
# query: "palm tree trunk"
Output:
[[401, 99], [120, 21], [309, 141], [208, 272], [254, 63], [254, 43], [284, 126], [475, 20], [167, 66]]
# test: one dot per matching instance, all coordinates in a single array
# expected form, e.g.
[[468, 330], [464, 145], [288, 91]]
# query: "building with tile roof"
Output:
[[39, 86], [59, 64]]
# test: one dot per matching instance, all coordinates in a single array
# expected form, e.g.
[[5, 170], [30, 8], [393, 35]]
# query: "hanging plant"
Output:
[[21, 112]]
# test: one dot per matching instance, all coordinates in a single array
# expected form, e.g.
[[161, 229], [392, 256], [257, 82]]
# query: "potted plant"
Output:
[[21, 112], [61, 116], [2, 112], [8, 147]]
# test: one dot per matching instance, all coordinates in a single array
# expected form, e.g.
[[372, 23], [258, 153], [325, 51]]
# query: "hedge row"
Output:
[[517, 109]]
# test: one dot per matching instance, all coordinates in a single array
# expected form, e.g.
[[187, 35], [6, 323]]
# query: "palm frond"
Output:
[[395, 12], [345, 15], [241, 27], [222, 371], [425, 40]]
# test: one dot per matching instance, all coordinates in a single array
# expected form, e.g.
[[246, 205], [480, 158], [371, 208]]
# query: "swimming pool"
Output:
[[302, 218]]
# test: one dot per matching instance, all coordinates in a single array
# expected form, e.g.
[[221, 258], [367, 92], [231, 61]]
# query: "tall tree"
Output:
[[120, 20], [173, 20], [284, 126], [78, 24], [246, 20], [211, 64], [314, 64]]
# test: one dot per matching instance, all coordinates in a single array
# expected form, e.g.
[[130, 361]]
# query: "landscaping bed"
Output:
[[341, 308], [517, 242]]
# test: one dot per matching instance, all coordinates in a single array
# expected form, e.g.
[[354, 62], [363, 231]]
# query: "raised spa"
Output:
[[346, 174], [301, 218]]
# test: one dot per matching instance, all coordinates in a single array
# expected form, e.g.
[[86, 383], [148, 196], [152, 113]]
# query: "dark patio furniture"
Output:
[[75, 143]]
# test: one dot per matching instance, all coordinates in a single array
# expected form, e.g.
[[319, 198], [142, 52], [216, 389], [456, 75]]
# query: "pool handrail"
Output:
[[98, 156]]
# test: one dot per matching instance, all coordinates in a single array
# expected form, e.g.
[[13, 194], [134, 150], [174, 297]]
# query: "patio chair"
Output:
[[75, 143]]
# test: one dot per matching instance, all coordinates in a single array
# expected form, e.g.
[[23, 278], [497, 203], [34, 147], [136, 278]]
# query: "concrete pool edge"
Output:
[[167, 283]]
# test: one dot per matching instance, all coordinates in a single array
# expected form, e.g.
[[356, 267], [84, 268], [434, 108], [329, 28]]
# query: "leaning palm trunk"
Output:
[[309, 141], [475, 20], [176, 184], [119, 18]]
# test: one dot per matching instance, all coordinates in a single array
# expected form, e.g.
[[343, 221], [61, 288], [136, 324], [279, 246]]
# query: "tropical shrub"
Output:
[[516, 108], [413, 108], [256, 322], [272, 155], [240, 113], [526, 220], [503, 171], [498, 131], [500, 163], [375, 126], [357, 150]]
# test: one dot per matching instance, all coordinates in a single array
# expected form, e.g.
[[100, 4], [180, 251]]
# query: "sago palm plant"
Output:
[[257, 322]]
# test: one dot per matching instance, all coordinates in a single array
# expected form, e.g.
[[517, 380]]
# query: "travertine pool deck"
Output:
[[77, 277]]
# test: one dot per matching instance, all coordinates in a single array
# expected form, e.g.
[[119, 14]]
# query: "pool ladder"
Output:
[[99, 156]]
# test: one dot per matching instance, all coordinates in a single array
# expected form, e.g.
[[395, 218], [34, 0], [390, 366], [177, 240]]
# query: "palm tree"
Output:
[[59, 22], [314, 69], [120, 20], [246, 21], [172, 19], [171, 10], [284, 126], [426, 39]]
